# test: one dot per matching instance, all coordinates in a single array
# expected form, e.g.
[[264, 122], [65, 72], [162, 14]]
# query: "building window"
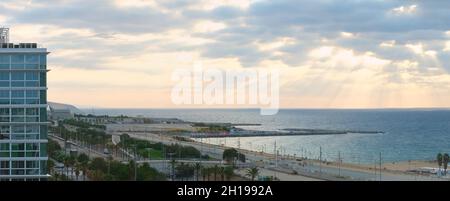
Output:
[[18, 76], [4, 94], [32, 58], [4, 76], [32, 76], [4, 59], [17, 58], [18, 111], [4, 146]]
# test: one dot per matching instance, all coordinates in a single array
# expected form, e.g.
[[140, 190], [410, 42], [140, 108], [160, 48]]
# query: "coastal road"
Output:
[[312, 170]]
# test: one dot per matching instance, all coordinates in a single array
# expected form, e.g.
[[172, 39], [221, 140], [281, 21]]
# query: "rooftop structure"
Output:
[[4, 35]]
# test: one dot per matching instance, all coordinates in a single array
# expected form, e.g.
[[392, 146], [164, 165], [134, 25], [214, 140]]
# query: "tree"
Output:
[[229, 172], [445, 160], [204, 171], [77, 170], [439, 160], [241, 157], [207, 171], [56, 176], [132, 167], [83, 158], [72, 162], [230, 155], [98, 164], [84, 168], [50, 166], [197, 167], [184, 171], [147, 173], [110, 158], [222, 173], [252, 173], [172, 164], [66, 164], [215, 169]]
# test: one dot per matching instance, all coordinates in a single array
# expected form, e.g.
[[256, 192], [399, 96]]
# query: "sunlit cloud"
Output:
[[447, 46], [347, 34], [390, 43], [208, 26], [277, 43], [349, 54], [405, 9]]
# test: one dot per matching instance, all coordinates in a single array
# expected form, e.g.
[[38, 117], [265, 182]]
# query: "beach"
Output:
[[293, 168]]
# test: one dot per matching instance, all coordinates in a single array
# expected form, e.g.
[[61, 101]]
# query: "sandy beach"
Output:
[[397, 170]]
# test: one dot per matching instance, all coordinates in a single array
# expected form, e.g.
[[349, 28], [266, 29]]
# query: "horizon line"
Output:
[[286, 108]]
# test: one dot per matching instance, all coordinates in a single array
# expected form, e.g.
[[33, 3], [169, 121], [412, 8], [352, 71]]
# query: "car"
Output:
[[106, 151]]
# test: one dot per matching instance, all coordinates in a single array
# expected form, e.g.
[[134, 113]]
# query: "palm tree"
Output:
[[222, 173], [203, 169], [56, 176], [439, 160], [445, 160], [77, 170], [173, 163], [216, 168], [72, 162], [197, 167], [66, 164], [229, 172], [252, 173], [110, 158], [50, 166], [84, 168], [208, 172]]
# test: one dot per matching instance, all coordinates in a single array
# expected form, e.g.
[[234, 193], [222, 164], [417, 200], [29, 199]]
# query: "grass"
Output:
[[154, 154]]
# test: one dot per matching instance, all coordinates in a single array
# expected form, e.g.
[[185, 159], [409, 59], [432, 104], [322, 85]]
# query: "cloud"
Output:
[[395, 42]]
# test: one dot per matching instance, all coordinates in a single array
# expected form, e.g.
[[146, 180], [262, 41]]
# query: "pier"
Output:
[[283, 132]]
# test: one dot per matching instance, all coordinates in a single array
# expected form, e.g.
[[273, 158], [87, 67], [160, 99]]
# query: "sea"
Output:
[[409, 134]]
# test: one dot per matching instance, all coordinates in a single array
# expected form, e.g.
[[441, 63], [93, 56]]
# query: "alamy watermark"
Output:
[[249, 87]]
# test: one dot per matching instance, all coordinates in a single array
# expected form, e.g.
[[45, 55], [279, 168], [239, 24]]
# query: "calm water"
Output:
[[409, 134]]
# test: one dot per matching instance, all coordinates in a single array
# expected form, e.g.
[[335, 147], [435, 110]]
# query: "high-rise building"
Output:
[[23, 114]]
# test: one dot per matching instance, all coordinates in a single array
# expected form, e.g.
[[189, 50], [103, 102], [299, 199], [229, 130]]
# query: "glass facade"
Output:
[[23, 114]]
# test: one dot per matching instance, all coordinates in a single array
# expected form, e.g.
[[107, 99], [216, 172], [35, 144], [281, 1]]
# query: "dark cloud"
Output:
[[307, 22], [98, 15]]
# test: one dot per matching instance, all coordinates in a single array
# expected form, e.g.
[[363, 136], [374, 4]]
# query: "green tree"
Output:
[[72, 161], [172, 164], [203, 170], [98, 164], [84, 168], [132, 167], [230, 155], [147, 173], [184, 171], [439, 158], [66, 164], [77, 170], [206, 173], [50, 166], [229, 172], [241, 157], [215, 170], [445, 160], [222, 173], [83, 158], [252, 173], [56, 175], [197, 167]]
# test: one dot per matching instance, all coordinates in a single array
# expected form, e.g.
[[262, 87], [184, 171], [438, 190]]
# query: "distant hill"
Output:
[[72, 108]]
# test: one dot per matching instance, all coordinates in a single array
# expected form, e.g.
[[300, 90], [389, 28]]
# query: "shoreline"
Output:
[[394, 169]]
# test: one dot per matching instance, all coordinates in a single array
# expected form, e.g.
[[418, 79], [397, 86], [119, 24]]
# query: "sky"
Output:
[[331, 54]]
